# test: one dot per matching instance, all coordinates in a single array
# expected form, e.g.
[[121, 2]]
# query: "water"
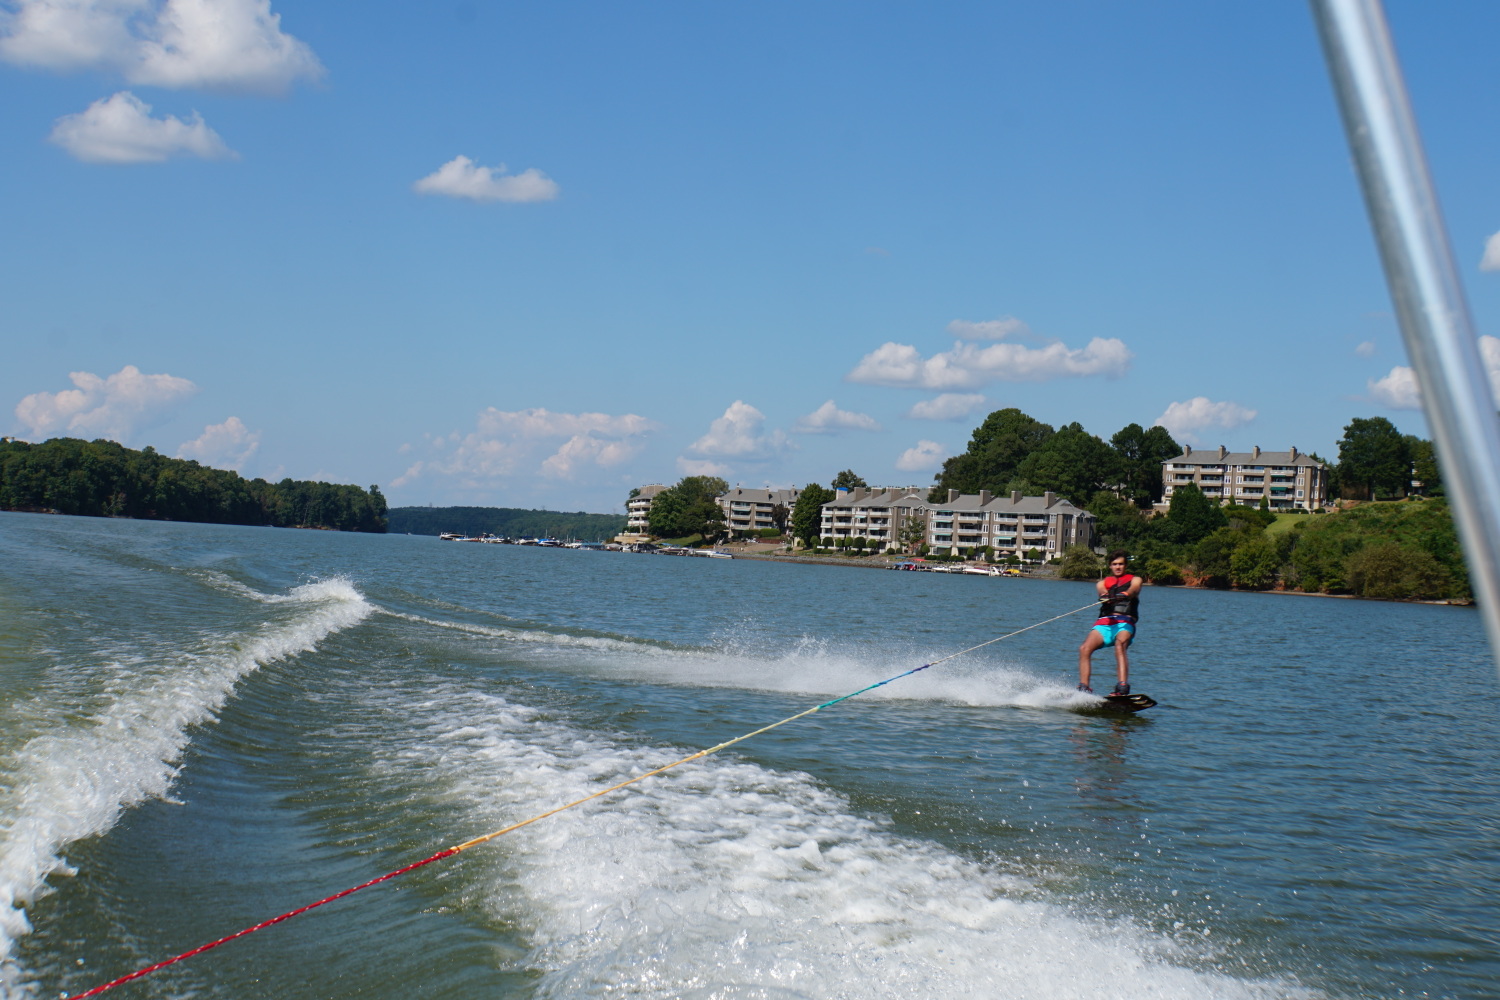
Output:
[[202, 727]]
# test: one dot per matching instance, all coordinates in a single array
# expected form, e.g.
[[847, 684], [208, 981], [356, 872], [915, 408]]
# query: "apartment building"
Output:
[[1011, 525], [638, 512], [752, 510], [877, 515], [744, 510], [1285, 479]]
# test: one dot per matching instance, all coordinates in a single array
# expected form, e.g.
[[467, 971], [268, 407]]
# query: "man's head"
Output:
[[1117, 561]]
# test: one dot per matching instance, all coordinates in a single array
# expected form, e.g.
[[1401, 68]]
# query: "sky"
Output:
[[533, 255]]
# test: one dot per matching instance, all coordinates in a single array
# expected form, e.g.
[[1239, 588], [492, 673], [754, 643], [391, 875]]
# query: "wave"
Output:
[[78, 777], [819, 668], [813, 667], [728, 880], [541, 636]]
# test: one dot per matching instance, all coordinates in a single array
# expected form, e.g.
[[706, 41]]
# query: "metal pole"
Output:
[[1424, 285]]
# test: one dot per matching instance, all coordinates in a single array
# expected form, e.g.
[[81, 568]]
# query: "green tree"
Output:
[[807, 513], [1191, 516], [1141, 453], [1212, 555], [913, 530], [1071, 463], [847, 480], [1254, 563], [1240, 517], [98, 478], [996, 449], [1392, 571], [1163, 571], [1424, 465], [1374, 455], [689, 508]]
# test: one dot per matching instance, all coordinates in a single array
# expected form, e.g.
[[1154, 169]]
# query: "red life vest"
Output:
[[1117, 600]]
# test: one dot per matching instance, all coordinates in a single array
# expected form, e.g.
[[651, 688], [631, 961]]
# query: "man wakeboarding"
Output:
[[1119, 608]]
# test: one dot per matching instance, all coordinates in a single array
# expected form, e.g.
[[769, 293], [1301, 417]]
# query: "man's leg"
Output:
[[1086, 654], [1122, 658]]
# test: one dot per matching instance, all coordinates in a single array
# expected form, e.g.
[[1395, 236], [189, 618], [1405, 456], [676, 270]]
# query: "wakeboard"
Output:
[[1127, 703]]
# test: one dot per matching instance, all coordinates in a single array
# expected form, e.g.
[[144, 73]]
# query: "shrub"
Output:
[[1392, 571], [1080, 562], [1254, 563], [1162, 571]]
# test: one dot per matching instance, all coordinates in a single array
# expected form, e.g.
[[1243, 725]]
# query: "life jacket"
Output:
[[1116, 600]]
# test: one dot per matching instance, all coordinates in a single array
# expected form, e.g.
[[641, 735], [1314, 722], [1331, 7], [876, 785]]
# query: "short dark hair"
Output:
[[1117, 554]]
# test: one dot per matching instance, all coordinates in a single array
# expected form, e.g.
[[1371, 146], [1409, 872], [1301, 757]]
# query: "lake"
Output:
[[202, 727]]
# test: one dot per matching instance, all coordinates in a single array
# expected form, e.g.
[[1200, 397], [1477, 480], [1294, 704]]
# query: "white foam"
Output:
[[726, 880], [817, 669], [538, 636], [75, 779], [812, 667]]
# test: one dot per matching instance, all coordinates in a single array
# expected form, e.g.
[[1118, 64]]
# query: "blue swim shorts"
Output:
[[1111, 631]]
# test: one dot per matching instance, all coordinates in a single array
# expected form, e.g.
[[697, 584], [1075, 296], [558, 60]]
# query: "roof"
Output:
[[1008, 504], [761, 496], [1256, 457]]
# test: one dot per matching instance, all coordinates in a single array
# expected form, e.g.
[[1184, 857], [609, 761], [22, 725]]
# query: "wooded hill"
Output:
[[507, 522], [105, 479]]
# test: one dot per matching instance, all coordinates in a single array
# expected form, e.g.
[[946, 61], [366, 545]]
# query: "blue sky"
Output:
[[533, 255]]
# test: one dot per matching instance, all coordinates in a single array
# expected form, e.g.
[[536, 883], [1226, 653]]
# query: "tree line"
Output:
[[1400, 550], [507, 522], [105, 479], [1407, 550]]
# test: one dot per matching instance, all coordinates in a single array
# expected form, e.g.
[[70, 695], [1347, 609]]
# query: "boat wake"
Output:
[[92, 761], [728, 880], [813, 667]]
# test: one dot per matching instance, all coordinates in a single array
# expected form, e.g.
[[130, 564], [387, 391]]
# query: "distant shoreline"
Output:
[[884, 563]]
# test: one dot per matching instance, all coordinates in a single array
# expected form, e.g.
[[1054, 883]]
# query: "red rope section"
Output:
[[260, 926]]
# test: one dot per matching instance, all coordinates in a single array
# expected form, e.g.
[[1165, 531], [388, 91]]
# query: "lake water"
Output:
[[202, 727]]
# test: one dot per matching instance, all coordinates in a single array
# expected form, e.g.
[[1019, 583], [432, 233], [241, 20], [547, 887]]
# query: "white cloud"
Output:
[[1366, 349], [737, 434], [829, 419], [700, 467], [461, 177], [948, 406], [224, 446], [120, 129], [1398, 390], [228, 45], [924, 457], [1200, 413], [990, 329], [112, 407], [1491, 259], [969, 366], [532, 442]]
